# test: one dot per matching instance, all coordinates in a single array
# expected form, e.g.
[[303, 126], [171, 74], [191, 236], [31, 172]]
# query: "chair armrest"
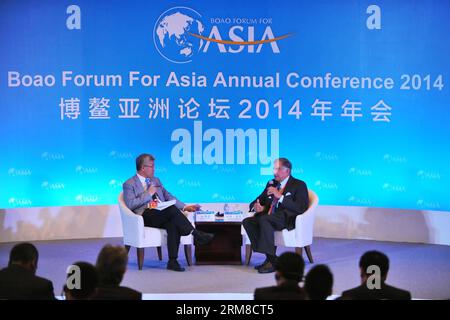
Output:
[[133, 228], [304, 225]]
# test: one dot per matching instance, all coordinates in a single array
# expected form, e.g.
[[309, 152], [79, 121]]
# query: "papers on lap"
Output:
[[165, 204]]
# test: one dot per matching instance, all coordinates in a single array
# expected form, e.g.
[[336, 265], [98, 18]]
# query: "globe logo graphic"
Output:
[[173, 37]]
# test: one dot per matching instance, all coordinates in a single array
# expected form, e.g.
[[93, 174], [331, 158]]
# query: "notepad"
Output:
[[165, 204]]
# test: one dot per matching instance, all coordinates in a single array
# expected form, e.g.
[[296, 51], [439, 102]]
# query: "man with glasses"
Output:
[[276, 208], [143, 189]]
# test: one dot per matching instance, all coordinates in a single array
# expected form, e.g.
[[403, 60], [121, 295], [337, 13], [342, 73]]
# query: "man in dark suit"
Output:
[[19, 281], [276, 208], [289, 272], [111, 266], [374, 266], [143, 189]]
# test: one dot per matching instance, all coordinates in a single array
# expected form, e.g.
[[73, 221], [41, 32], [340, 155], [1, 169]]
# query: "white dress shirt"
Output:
[[142, 179], [282, 185]]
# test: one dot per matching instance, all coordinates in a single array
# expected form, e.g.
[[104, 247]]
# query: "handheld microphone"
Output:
[[154, 196], [273, 183]]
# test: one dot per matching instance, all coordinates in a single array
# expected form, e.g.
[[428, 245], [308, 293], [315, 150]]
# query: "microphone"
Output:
[[154, 196], [273, 183]]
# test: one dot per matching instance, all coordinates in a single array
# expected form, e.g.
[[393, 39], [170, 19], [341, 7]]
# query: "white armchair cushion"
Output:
[[135, 234], [302, 235]]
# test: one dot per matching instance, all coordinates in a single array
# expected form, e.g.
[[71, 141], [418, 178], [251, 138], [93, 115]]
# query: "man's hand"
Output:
[[192, 208], [276, 193], [258, 207], [151, 190]]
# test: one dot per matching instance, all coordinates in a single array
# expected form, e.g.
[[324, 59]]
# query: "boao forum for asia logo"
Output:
[[180, 34]]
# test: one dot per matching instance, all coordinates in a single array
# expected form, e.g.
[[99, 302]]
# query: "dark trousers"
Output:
[[175, 223], [261, 228]]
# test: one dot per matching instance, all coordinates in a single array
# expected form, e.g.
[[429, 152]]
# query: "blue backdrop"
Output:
[[354, 95]]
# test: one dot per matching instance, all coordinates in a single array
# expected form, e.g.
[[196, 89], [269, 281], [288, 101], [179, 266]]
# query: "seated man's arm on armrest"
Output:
[[133, 200]]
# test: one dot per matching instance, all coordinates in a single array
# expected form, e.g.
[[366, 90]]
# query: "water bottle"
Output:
[[226, 208]]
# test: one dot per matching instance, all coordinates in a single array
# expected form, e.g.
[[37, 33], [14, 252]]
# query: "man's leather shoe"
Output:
[[259, 266], [267, 268], [174, 265], [201, 237]]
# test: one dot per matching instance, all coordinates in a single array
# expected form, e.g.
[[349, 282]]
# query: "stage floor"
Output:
[[421, 268]]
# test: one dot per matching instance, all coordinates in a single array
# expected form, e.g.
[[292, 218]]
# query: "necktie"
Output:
[[147, 181], [273, 206]]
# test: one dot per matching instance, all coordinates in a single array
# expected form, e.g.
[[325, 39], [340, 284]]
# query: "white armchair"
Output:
[[299, 237], [135, 234]]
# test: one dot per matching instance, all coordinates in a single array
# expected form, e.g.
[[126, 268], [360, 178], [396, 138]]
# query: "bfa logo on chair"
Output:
[[180, 34]]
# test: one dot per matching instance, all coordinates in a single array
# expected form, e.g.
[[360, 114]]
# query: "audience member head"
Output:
[[373, 259], [82, 281], [319, 282], [25, 255], [289, 267], [111, 265]]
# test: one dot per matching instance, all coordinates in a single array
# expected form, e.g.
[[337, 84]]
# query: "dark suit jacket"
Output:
[[295, 201], [117, 293], [288, 291], [385, 293], [18, 283]]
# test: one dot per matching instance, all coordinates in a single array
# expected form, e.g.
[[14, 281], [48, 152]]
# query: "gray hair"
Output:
[[285, 163]]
